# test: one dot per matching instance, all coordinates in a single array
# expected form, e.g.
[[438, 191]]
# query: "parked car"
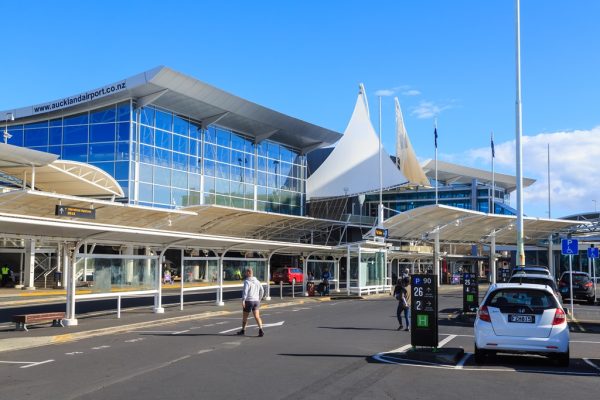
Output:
[[539, 279], [287, 275], [583, 287], [521, 318]]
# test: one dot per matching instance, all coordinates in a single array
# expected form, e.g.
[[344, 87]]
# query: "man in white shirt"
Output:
[[251, 295]]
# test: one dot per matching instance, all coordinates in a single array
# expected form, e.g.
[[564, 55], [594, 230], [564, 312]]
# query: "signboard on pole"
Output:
[[76, 212], [470, 292], [424, 310], [592, 252], [570, 247]]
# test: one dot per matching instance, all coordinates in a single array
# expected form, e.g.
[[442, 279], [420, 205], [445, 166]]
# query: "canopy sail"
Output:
[[406, 160]]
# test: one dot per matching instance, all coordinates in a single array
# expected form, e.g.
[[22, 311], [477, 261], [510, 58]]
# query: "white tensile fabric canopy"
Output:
[[353, 165], [405, 154]]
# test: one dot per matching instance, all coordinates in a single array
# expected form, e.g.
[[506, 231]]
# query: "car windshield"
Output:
[[577, 278], [512, 299], [529, 279]]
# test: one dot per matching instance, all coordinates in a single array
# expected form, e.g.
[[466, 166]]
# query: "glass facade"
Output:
[[163, 159]]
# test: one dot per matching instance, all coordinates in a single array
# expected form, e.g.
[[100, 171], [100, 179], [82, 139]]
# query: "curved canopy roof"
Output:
[[16, 156]]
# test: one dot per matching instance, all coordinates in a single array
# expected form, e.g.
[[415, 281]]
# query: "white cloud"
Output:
[[428, 109], [411, 92], [574, 169], [384, 92]]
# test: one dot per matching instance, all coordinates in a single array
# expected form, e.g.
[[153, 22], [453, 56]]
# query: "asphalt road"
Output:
[[317, 350]]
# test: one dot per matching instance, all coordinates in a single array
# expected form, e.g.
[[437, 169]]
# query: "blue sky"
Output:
[[452, 59]]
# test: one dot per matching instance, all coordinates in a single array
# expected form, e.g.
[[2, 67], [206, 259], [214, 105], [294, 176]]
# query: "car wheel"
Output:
[[563, 359], [479, 355]]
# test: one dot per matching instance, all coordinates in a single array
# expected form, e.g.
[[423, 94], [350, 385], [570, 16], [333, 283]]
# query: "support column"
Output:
[[493, 257], [304, 274], [348, 263], [29, 264], [220, 302], [268, 277], [336, 268], [551, 257], [69, 265], [436, 255], [128, 275], [158, 308]]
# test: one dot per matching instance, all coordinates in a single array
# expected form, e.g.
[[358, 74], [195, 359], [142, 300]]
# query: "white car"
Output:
[[521, 318]]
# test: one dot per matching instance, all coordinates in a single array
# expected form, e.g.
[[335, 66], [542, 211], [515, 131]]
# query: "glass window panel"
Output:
[[181, 125], [223, 137], [17, 137], [222, 170], [261, 206], [209, 168], [194, 146], [102, 152], [195, 130], [79, 119], [285, 197], [262, 164], [102, 133], [75, 153], [164, 120], [237, 174], [180, 197], [162, 157], [237, 189], [180, 161], [237, 142], [35, 125], [249, 191], [249, 175], [194, 164], [162, 176], [210, 135], [124, 111], [162, 194], [123, 131], [122, 170], [273, 150], [106, 114], [55, 150], [297, 159], [262, 148], [147, 135], [272, 180], [238, 203], [147, 154], [163, 139], [56, 122], [40, 148], [223, 154], [125, 188], [147, 116], [223, 200], [286, 154], [56, 135], [146, 173], [222, 186], [193, 199], [285, 169], [106, 166], [209, 184], [179, 179], [274, 166], [261, 179], [75, 134], [210, 151], [145, 192], [122, 151], [194, 182], [181, 144], [36, 137]]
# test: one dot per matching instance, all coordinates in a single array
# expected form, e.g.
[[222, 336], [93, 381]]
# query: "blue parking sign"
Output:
[[570, 247], [592, 252]]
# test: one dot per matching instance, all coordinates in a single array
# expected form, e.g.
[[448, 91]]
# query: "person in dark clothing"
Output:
[[5, 272], [326, 276], [401, 293]]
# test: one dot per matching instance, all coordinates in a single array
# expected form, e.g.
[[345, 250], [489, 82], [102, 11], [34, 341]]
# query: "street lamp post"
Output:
[[9, 117]]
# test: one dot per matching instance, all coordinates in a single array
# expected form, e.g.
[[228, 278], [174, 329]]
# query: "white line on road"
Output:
[[73, 353], [16, 362], [587, 360], [134, 340], [444, 341], [205, 351], [250, 326], [401, 349], [35, 364], [178, 332], [463, 360], [100, 347], [584, 341]]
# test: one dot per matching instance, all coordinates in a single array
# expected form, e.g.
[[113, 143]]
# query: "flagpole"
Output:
[[519, 146], [436, 162], [493, 208], [380, 208], [549, 209]]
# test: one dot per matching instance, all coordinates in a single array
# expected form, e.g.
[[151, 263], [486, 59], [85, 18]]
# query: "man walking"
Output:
[[251, 295]]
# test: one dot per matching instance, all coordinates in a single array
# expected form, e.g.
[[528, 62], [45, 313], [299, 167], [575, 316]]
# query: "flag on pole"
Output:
[[492, 142], [435, 136]]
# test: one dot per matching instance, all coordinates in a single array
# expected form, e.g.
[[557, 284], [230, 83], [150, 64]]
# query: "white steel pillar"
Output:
[[348, 270], [493, 257], [304, 273], [29, 264], [436, 255], [220, 302], [69, 264], [268, 277], [336, 268], [158, 308], [551, 257]]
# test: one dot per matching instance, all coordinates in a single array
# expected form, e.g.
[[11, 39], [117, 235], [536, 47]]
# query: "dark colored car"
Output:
[[531, 269], [287, 275], [583, 287], [538, 279]]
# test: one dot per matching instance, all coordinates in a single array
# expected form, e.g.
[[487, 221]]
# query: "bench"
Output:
[[22, 320]]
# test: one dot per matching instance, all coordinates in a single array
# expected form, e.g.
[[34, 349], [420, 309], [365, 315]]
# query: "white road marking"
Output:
[[178, 332], [401, 349], [250, 326], [463, 360], [134, 340], [73, 353], [209, 325], [205, 351], [222, 322], [444, 341], [100, 347], [150, 332], [584, 341], [232, 343], [35, 364], [16, 362], [587, 361]]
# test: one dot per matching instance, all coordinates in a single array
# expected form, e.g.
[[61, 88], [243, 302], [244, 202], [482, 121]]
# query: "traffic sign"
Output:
[[423, 311], [570, 247], [592, 252]]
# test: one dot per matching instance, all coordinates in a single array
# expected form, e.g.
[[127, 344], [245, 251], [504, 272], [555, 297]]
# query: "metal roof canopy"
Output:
[[69, 178], [185, 95], [16, 156], [207, 219], [454, 173], [458, 225]]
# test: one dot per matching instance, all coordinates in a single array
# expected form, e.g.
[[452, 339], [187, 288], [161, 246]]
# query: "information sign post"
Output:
[[424, 311], [470, 292], [592, 256], [570, 247]]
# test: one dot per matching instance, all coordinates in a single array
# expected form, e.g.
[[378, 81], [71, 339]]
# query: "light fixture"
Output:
[[9, 117]]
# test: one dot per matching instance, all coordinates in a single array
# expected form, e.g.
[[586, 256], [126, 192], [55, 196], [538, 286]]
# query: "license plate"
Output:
[[525, 319]]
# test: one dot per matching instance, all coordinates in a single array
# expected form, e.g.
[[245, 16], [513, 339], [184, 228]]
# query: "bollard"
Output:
[[118, 306], [293, 289], [281, 289]]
